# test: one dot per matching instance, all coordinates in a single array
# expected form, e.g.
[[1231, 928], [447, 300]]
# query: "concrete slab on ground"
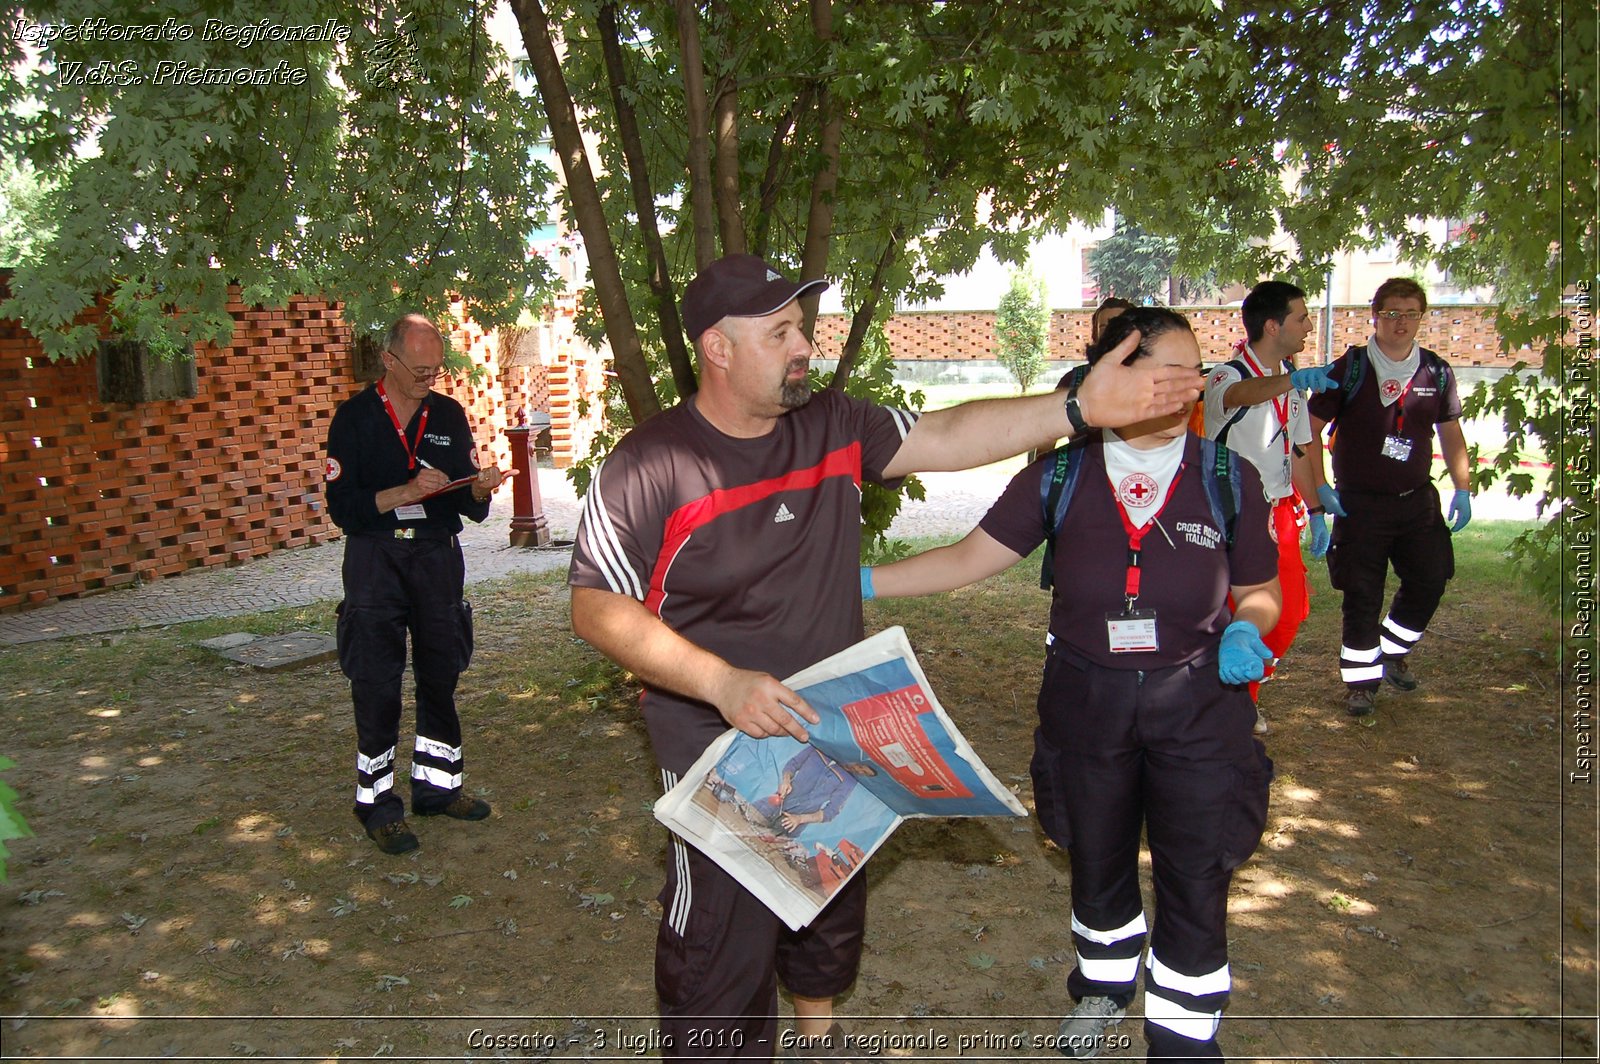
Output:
[[275, 653]]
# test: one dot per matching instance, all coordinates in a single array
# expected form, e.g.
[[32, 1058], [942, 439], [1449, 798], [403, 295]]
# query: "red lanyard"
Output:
[[1280, 404], [422, 424], [1130, 588], [1400, 407]]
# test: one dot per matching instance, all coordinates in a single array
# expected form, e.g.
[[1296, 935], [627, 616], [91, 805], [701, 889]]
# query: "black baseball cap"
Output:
[[738, 286]]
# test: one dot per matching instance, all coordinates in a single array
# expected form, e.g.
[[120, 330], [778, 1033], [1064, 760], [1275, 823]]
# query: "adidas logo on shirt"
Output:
[[782, 515]]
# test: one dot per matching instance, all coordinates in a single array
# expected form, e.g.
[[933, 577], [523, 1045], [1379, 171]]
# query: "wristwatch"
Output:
[[1080, 424]]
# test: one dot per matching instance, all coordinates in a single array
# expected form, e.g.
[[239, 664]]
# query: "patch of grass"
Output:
[[1481, 549]]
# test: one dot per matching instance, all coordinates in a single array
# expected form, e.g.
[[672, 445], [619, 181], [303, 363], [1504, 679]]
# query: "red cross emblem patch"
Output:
[[333, 470], [1137, 490], [1391, 389]]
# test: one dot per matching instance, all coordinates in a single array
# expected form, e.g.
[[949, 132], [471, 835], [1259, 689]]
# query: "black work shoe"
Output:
[[393, 838], [1361, 702], [1397, 672], [462, 808]]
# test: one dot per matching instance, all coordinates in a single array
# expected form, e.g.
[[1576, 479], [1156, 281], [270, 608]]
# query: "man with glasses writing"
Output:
[[394, 452], [1388, 397]]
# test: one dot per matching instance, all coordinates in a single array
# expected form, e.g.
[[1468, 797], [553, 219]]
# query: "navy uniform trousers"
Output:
[[1170, 750], [392, 588], [1409, 531]]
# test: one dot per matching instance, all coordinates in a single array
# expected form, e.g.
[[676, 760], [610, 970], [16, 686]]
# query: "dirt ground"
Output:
[[198, 887]]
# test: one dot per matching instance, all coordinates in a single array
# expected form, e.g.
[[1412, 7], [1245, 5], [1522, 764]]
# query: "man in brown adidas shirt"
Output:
[[718, 549]]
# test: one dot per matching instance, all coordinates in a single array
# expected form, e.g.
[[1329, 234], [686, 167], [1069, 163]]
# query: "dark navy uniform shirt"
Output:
[[366, 456], [1363, 423], [1185, 581]]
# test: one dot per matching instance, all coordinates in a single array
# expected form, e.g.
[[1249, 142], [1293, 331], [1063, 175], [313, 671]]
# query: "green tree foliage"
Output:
[[1142, 267], [1219, 123], [1133, 264], [1022, 328], [384, 164]]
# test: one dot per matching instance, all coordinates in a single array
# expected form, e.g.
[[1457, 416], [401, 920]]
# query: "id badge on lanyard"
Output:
[[1397, 446], [1131, 630]]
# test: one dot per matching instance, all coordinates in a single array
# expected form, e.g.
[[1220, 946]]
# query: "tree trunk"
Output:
[[725, 111], [778, 156], [694, 98], [626, 352], [862, 319], [644, 205], [819, 219]]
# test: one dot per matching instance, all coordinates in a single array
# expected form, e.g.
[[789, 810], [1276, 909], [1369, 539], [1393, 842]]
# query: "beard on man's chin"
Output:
[[795, 395]]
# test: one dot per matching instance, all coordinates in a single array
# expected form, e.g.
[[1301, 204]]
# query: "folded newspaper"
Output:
[[795, 821]]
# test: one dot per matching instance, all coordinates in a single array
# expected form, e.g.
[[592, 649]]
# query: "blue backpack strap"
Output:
[[1056, 486], [1352, 376], [1219, 470], [1354, 371], [1440, 368], [1238, 365]]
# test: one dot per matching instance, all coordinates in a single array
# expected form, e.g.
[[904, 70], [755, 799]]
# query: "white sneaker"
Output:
[[1083, 1033], [1261, 724]]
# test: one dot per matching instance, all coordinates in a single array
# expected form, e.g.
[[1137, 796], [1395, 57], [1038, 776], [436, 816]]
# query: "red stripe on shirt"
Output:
[[685, 520]]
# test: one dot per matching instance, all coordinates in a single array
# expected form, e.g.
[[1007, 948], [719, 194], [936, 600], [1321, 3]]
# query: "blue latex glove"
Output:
[[1315, 378], [1330, 501], [1460, 510], [866, 584], [1319, 535], [1244, 656]]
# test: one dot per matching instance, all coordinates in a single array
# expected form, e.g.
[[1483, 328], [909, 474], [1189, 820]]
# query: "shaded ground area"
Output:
[[198, 886]]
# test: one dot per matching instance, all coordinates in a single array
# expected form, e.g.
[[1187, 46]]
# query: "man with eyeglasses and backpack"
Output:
[[402, 471], [1388, 399]]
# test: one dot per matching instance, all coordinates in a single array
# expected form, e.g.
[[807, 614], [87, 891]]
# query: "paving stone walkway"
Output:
[[955, 503]]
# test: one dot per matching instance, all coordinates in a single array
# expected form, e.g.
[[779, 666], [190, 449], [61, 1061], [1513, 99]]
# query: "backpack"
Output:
[[1218, 466], [1245, 373]]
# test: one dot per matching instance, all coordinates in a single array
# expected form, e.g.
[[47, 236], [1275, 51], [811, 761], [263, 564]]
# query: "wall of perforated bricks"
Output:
[[100, 495], [1464, 335]]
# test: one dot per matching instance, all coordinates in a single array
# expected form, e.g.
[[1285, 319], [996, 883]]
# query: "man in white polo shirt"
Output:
[[1254, 405]]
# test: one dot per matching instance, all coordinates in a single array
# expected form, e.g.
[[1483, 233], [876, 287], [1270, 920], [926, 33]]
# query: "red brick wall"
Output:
[[98, 495], [1463, 334]]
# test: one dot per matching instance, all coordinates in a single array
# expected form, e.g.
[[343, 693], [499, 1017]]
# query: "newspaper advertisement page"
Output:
[[795, 821], [882, 711]]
